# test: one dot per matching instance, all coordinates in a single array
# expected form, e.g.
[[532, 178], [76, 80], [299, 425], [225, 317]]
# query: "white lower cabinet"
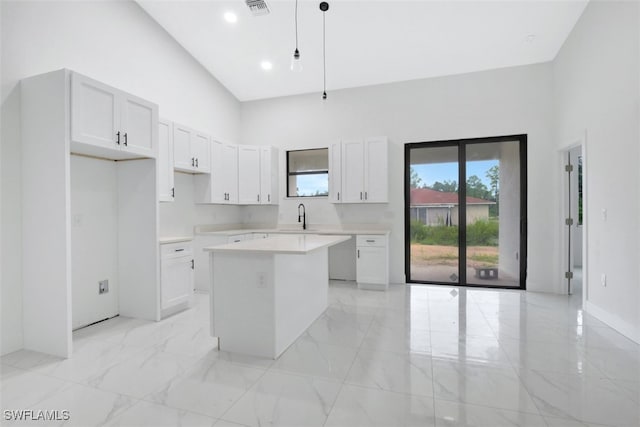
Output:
[[372, 262], [176, 276]]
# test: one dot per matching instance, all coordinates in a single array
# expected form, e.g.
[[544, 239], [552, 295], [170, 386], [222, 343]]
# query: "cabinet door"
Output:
[[166, 191], [248, 175], [139, 126], [371, 265], [335, 173], [352, 171], [268, 176], [201, 152], [376, 170], [230, 169], [95, 113], [176, 281], [182, 159], [218, 179]]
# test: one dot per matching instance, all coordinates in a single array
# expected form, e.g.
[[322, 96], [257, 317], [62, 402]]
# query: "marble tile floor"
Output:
[[413, 356]]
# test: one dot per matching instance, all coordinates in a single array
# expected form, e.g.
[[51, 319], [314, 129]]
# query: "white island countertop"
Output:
[[281, 244]]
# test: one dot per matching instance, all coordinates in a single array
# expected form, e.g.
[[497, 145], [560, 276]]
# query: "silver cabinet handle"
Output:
[[179, 250], [361, 195], [338, 195], [358, 253], [365, 195], [370, 241], [193, 162]]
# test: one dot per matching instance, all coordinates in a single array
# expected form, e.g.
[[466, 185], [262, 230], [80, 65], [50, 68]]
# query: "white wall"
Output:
[[178, 218], [94, 239], [112, 41], [596, 82], [501, 102]]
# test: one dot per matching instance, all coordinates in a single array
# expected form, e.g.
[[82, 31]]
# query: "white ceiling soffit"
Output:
[[368, 42]]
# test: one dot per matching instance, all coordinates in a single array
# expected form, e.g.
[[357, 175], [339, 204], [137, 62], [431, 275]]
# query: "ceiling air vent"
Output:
[[258, 7]]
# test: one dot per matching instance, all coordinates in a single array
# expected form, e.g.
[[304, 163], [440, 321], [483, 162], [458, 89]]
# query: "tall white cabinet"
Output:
[[62, 113], [166, 186], [359, 171]]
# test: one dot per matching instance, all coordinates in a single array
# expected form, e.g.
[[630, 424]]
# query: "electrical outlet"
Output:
[[103, 286], [262, 283], [603, 280]]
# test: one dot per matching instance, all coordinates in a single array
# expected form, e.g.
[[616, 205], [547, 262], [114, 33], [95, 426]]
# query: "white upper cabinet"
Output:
[[182, 159], [376, 170], [352, 171], [240, 174], [109, 123], [166, 189], [359, 171], [335, 173], [249, 175], [268, 175], [138, 125], [191, 150], [229, 172], [200, 150], [221, 186]]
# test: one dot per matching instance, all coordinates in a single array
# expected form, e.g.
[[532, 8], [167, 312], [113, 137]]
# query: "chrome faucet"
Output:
[[303, 216]]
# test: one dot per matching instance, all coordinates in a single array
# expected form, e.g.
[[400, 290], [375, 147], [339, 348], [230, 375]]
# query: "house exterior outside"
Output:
[[432, 207]]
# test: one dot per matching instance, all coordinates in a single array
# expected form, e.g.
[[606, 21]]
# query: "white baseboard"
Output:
[[627, 329]]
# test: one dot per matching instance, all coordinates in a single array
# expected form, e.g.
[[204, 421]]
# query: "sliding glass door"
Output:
[[465, 211]]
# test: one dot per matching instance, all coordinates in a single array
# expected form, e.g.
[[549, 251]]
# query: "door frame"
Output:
[[563, 152], [462, 211]]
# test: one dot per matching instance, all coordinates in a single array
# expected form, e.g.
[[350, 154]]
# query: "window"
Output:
[[308, 173]]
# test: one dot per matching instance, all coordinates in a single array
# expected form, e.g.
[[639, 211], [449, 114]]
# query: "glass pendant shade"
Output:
[[296, 62]]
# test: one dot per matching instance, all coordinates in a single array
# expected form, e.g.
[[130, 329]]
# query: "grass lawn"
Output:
[[477, 256]]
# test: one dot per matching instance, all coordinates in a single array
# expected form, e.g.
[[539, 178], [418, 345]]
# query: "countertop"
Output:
[[175, 239], [284, 244], [297, 230]]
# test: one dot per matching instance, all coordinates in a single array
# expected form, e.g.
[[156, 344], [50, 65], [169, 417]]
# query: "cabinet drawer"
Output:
[[238, 238], [172, 250], [371, 240]]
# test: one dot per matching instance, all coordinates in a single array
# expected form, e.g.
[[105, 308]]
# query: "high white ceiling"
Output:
[[368, 42]]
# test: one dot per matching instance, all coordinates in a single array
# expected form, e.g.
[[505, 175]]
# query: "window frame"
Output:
[[316, 172]]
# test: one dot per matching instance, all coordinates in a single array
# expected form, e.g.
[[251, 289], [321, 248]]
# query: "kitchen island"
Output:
[[266, 292]]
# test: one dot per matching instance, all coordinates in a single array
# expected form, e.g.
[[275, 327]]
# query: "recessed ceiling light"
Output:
[[231, 17], [266, 65], [530, 38]]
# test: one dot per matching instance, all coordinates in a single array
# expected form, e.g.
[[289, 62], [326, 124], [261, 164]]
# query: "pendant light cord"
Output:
[[324, 58], [296, 21]]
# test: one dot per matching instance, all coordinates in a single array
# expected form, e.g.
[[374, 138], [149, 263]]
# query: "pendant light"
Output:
[[324, 6], [296, 62]]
